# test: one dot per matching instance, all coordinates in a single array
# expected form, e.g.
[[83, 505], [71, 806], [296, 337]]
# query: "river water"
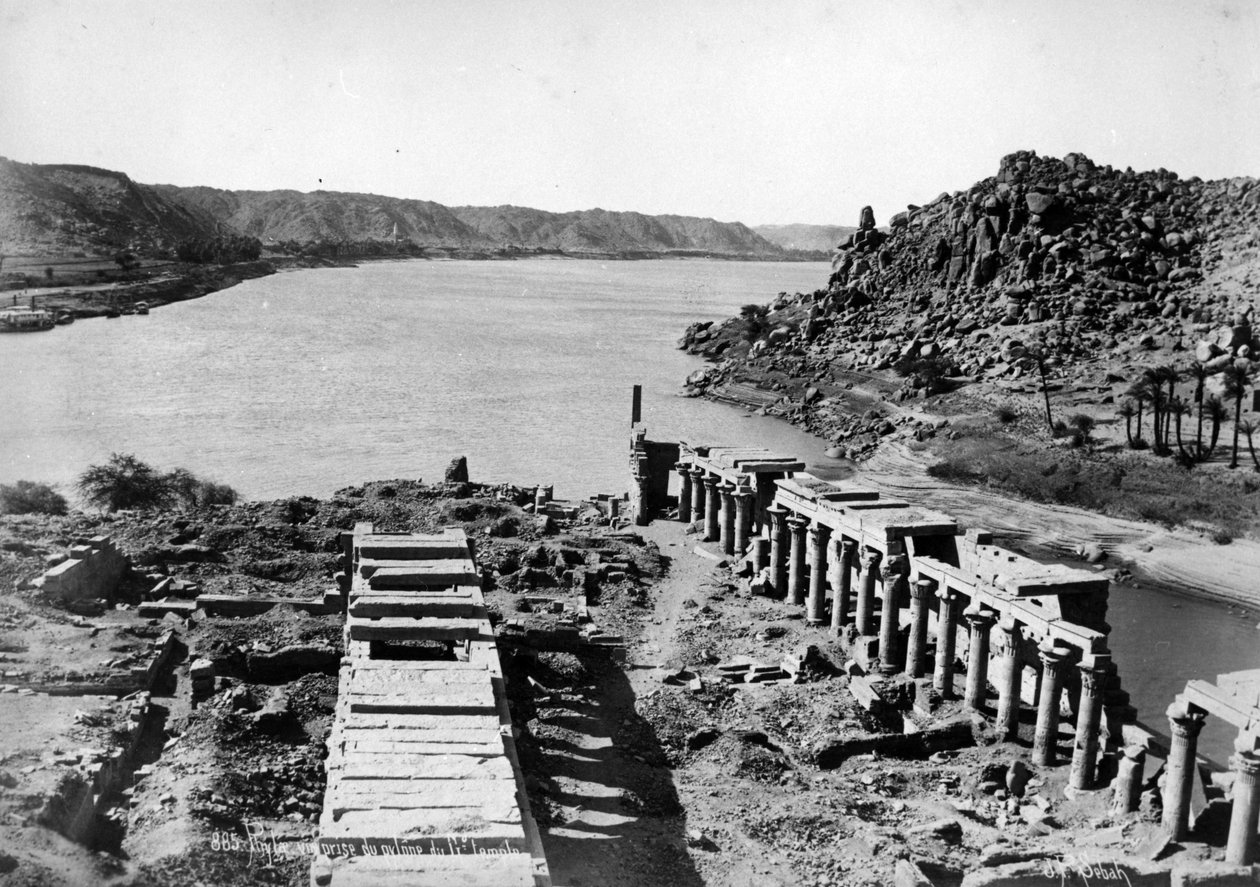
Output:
[[307, 381]]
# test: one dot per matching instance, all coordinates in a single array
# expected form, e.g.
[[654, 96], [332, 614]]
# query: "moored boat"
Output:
[[142, 307], [25, 320]]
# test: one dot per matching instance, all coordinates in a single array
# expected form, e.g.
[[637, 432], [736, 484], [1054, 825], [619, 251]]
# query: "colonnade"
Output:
[[726, 508]]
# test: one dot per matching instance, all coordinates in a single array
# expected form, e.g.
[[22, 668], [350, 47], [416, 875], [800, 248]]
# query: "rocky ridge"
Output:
[[1099, 271]]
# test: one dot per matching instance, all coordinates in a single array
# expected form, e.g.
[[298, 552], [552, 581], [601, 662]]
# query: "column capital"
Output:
[[946, 595], [848, 546], [774, 509], [726, 488], [1245, 763], [1185, 721], [1092, 678], [870, 559], [820, 532], [697, 472], [1052, 658], [921, 589], [743, 491], [712, 480], [978, 615], [1135, 752], [682, 466], [796, 522], [893, 567]]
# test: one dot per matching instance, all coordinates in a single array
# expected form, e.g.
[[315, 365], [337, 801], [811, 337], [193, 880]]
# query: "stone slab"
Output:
[[512, 870], [401, 628], [377, 547], [443, 606], [358, 765]]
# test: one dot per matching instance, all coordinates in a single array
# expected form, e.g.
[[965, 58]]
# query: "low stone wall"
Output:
[[92, 570]]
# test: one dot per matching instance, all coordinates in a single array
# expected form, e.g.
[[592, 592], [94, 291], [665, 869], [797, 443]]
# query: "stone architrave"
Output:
[[820, 537], [979, 621], [894, 577], [1241, 847], [684, 492], [1184, 724], [946, 637], [843, 554], [1046, 739], [916, 646], [778, 549], [864, 618], [1088, 721], [796, 564]]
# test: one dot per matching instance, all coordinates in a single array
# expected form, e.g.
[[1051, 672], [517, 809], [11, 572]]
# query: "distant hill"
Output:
[[57, 208], [821, 238]]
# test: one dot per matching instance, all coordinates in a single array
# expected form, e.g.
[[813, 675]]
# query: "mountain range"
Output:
[[67, 208]]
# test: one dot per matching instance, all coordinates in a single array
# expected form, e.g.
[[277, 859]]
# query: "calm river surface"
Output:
[[307, 381]]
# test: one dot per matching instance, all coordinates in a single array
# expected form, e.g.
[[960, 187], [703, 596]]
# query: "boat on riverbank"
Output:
[[25, 320]]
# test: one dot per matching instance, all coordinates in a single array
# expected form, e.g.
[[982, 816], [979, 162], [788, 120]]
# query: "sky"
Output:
[[763, 112]]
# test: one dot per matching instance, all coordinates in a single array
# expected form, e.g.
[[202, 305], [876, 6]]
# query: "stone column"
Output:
[[1127, 793], [1010, 679], [778, 549], [712, 508], [743, 517], [1047, 735], [796, 566], [820, 536], [1088, 718], [697, 493], [1241, 848], [894, 578], [916, 646], [946, 634], [1184, 724], [842, 554], [866, 592], [979, 620], [684, 492], [726, 531]]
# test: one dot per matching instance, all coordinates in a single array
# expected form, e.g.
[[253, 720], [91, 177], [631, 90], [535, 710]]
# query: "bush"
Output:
[[26, 497], [1005, 414], [126, 482]]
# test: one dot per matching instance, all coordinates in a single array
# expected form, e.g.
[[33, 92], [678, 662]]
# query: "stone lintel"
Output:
[[1213, 700]]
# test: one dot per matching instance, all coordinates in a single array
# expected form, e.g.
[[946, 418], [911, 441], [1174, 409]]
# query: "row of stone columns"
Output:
[[726, 508]]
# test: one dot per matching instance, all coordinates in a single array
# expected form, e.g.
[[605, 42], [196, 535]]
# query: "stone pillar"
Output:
[[796, 566], [916, 646], [1241, 848], [1127, 793], [684, 492], [820, 536], [712, 508], [946, 634], [1010, 678], [1184, 724], [778, 549], [697, 493], [1088, 718], [726, 531], [866, 592], [743, 517], [979, 620], [843, 553], [894, 578], [1047, 735]]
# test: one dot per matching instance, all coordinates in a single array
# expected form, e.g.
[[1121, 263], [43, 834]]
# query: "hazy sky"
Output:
[[760, 111]]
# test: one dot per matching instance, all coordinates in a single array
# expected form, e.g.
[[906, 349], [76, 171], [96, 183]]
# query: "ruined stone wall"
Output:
[[93, 570]]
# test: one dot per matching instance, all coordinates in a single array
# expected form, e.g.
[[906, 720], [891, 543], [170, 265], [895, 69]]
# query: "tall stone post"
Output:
[[946, 637], [894, 576], [1184, 724], [1127, 793], [697, 493], [1009, 679], [979, 621], [712, 508], [1045, 740], [842, 554], [796, 565], [778, 549], [684, 492], [916, 645], [820, 536], [743, 517], [726, 531], [866, 592], [1088, 719], [1241, 847]]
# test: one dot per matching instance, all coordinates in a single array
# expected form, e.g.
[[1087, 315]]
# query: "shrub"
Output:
[[1005, 414], [26, 497], [126, 482]]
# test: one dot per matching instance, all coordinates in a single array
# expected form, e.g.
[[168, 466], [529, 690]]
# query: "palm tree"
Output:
[[1199, 373], [1169, 374], [1179, 409], [1237, 378], [1217, 414], [1153, 377], [1139, 392], [1127, 412], [1249, 428]]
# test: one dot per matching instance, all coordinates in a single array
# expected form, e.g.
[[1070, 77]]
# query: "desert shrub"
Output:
[[126, 482], [27, 497], [1005, 414]]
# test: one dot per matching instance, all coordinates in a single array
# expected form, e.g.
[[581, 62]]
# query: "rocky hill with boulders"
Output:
[[55, 209], [1098, 271]]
